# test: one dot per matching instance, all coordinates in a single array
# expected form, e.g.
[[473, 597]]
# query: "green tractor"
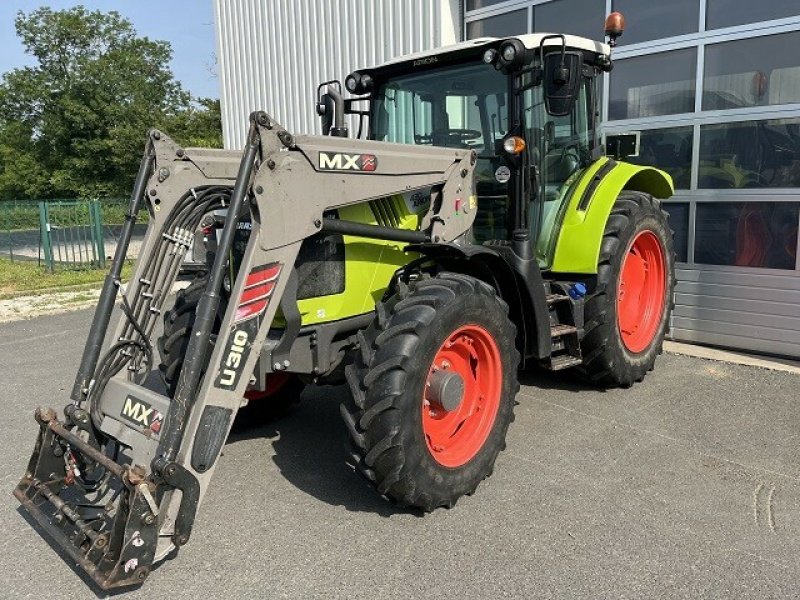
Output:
[[472, 228]]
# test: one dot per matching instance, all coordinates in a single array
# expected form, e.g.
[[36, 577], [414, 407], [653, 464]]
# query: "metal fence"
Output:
[[60, 234], [72, 234]]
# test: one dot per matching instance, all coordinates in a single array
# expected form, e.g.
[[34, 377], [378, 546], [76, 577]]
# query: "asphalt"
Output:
[[685, 486]]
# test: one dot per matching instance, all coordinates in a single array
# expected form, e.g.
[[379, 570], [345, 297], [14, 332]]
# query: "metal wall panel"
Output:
[[758, 311], [272, 54]]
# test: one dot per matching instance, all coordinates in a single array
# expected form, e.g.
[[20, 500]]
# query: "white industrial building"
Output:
[[711, 85]]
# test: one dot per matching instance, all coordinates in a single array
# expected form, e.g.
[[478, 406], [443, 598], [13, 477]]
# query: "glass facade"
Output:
[[758, 71], [728, 13], [649, 20], [502, 25], [654, 85], [712, 88], [747, 234], [671, 149]]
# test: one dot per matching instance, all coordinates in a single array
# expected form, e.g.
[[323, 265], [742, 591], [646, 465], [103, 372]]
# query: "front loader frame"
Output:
[[118, 483]]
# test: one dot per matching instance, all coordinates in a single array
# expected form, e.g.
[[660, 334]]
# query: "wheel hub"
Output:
[[462, 395], [445, 390]]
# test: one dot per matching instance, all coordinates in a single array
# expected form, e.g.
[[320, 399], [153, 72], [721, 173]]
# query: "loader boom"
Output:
[[139, 446]]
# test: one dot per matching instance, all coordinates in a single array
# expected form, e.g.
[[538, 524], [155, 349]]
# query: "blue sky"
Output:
[[187, 24]]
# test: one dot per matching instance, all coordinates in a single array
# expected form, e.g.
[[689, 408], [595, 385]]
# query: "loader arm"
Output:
[[138, 462]]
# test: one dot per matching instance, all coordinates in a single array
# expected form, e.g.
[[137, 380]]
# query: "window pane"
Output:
[[476, 4], [513, 23], [649, 20], [575, 17], [757, 154], [670, 150], [652, 85], [679, 223], [747, 234], [753, 72], [725, 13]]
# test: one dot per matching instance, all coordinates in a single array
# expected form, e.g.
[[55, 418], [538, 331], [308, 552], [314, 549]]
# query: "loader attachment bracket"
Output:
[[110, 531], [178, 477]]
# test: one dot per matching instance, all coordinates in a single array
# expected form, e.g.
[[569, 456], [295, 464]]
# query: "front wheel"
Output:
[[433, 388], [283, 390], [629, 303]]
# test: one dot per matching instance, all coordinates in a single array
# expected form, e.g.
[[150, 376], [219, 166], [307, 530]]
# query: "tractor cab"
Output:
[[526, 105]]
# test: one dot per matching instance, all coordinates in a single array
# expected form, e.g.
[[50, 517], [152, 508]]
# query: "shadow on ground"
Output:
[[311, 448], [311, 452]]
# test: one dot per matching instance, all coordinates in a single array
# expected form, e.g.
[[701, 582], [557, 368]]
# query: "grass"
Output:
[[20, 277]]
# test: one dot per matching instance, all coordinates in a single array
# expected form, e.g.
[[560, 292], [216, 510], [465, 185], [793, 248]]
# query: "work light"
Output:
[[512, 53]]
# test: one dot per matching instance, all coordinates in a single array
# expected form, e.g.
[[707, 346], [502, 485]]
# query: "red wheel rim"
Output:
[[454, 437], [275, 383], [642, 287]]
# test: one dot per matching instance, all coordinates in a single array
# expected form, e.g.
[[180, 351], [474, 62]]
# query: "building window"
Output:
[[653, 85], [679, 223], [476, 4], [649, 20], [727, 13], [747, 234], [752, 72], [574, 17], [670, 150], [504, 25], [754, 154]]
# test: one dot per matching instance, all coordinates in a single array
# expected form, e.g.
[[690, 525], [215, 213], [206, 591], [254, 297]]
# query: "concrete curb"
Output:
[[786, 365]]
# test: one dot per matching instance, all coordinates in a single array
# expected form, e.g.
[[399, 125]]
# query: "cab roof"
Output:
[[530, 40]]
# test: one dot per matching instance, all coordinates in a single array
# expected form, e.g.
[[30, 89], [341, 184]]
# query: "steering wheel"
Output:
[[460, 135], [571, 154]]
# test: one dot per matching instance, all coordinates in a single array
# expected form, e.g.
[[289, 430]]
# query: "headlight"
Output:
[[490, 56], [509, 53]]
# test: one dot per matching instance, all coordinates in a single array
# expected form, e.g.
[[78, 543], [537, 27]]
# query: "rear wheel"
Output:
[[433, 388], [627, 310], [282, 391]]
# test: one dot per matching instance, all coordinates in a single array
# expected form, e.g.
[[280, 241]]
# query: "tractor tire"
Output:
[[629, 303], [280, 395], [433, 386]]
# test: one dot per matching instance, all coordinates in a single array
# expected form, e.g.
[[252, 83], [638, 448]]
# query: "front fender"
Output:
[[578, 244], [517, 281]]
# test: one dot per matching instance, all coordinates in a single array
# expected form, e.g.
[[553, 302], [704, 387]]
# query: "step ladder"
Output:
[[566, 328]]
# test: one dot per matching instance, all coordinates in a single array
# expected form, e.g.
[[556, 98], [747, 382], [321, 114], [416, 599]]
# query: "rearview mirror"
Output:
[[562, 82]]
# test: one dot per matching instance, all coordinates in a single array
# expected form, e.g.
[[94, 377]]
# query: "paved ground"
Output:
[[687, 485]]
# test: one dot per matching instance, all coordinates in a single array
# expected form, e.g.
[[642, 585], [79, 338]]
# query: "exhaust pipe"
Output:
[[339, 128]]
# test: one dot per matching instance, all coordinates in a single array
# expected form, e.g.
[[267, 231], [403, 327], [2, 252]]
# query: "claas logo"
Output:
[[337, 161]]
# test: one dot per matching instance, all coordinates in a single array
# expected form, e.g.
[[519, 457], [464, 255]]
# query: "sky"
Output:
[[187, 24]]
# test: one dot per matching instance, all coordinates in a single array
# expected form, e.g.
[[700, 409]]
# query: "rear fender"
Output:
[[578, 245], [518, 282]]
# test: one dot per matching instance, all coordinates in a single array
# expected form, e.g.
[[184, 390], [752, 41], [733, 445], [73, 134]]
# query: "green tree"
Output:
[[198, 126], [74, 124]]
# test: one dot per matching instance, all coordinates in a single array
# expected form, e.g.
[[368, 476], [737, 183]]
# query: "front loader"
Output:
[[477, 229]]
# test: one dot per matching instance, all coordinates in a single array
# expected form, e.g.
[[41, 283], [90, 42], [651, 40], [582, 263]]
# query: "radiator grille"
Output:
[[385, 212]]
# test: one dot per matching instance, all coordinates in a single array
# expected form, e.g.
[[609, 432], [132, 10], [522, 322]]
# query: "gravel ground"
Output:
[[685, 486]]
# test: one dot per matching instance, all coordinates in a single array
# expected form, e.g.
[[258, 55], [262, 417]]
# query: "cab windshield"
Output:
[[458, 107]]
